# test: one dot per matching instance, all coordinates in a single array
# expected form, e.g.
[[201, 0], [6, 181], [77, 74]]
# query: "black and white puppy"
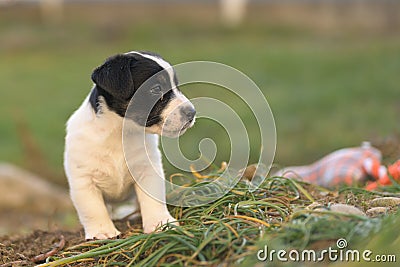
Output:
[[94, 156]]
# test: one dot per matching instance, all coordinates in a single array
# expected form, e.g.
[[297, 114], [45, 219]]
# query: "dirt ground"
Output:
[[21, 250], [26, 250]]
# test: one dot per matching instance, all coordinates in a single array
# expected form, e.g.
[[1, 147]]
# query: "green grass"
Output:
[[231, 230], [325, 91]]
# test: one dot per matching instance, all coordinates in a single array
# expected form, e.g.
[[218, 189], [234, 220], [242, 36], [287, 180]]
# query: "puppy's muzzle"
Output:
[[188, 113]]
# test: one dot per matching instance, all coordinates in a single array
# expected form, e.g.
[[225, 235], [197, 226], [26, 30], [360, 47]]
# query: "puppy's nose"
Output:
[[189, 112]]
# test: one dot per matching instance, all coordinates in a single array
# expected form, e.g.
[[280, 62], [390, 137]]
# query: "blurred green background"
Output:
[[330, 70]]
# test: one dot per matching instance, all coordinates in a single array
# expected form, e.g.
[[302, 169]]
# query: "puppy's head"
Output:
[[148, 85]]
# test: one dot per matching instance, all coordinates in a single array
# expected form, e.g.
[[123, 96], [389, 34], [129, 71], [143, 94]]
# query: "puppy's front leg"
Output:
[[150, 190], [88, 201]]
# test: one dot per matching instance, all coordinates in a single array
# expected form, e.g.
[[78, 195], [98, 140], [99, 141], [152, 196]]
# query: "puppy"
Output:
[[94, 161]]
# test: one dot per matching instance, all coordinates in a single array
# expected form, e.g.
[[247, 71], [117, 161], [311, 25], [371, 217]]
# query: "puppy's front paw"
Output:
[[152, 224], [101, 233]]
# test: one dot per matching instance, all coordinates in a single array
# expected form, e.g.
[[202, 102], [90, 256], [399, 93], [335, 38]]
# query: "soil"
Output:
[[20, 250]]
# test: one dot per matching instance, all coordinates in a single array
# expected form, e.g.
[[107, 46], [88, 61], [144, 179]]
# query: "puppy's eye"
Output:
[[156, 90]]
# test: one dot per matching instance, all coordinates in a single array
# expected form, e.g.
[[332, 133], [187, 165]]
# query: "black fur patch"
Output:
[[119, 78], [94, 100]]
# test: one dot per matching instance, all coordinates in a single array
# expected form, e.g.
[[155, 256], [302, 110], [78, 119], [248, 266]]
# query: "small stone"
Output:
[[385, 202], [321, 209], [377, 211], [348, 209]]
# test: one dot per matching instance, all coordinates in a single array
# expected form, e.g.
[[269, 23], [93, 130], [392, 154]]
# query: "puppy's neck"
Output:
[[109, 113]]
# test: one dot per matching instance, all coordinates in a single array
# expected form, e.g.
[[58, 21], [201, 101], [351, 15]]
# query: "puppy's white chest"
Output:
[[113, 178]]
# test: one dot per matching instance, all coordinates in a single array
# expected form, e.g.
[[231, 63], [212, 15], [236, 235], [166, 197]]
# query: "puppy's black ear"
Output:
[[115, 76]]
